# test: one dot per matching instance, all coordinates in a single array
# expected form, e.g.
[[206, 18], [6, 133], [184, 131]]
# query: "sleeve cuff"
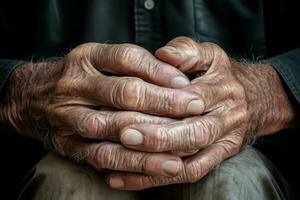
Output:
[[288, 67], [6, 68]]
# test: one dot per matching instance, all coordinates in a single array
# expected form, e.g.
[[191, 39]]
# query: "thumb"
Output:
[[187, 55]]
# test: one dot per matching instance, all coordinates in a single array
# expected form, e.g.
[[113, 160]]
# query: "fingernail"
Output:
[[170, 167], [132, 137], [171, 49], [179, 82], [195, 107], [116, 182]]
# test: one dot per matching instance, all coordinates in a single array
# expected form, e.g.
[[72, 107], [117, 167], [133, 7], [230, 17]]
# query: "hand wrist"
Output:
[[29, 82], [271, 107]]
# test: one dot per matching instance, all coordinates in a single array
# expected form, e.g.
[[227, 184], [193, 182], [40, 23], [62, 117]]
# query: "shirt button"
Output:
[[149, 4]]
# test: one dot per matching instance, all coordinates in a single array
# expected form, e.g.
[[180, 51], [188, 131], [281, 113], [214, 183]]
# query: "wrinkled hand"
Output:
[[61, 102], [238, 101]]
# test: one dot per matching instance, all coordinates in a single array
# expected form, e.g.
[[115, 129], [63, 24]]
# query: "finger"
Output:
[[212, 95], [132, 60], [183, 154], [178, 136], [105, 125], [194, 169], [114, 156], [187, 135], [179, 52], [190, 56], [135, 94]]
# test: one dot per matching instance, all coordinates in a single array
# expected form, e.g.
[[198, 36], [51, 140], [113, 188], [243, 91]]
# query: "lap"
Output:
[[58, 178], [248, 175]]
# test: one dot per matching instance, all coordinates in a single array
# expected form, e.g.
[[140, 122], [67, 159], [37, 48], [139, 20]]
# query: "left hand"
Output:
[[240, 101]]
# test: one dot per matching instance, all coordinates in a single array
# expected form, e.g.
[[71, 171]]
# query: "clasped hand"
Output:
[[118, 107]]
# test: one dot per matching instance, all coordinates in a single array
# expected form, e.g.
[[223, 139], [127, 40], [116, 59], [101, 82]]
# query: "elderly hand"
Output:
[[60, 103], [239, 101]]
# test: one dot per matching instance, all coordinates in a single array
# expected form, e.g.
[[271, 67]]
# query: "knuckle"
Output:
[[107, 156], [60, 144], [91, 126], [193, 172], [128, 93], [152, 69], [53, 113], [212, 50], [185, 43], [80, 155], [111, 127], [64, 145], [242, 113], [150, 181], [238, 90], [70, 84], [64, 85], [204, 132], [168, 102], [195, 136], [127, 54], [144, 163], [231, 89], [133, 93], [81, 50], [237, 116], [185, 40], [190, 138], [213, 47], [232, 144], [137, 61], [161, 139]]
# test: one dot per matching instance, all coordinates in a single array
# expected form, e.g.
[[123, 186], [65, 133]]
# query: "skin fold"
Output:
[[146, 121]]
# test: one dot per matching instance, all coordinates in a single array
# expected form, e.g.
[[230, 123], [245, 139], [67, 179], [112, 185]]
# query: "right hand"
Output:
[[61, 103]]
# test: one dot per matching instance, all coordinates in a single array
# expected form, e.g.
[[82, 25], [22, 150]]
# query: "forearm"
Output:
[[27, 82], [268, 94]]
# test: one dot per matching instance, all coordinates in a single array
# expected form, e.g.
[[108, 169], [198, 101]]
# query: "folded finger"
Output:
[[196, 133], [130, 93], [132, 60], [105, 125], [113, 156], [194, 169]]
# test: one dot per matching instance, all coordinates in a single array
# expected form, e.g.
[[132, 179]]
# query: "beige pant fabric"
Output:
[[248, 175]]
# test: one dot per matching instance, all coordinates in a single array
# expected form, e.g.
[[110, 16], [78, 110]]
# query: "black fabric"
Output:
[[6, 68], [18, 156], [244, 28]]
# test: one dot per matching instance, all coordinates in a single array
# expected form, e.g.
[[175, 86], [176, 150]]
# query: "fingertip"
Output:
[[179, 82], [115, 181], [169, 49], [131, 137], [195, 107], [127, 181], [169, 55], [171, 167]]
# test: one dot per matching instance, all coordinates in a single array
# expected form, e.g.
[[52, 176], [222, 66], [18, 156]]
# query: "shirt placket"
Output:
[[148, 23]]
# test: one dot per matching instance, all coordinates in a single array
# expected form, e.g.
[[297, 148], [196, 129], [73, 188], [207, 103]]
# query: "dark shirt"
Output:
[[251, 29], [244, 28]]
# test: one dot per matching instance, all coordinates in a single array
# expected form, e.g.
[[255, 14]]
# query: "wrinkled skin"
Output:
[[239, 102], [67, 104], [101, 95]]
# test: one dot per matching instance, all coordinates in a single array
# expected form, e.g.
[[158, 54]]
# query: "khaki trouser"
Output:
[[247, 175]]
